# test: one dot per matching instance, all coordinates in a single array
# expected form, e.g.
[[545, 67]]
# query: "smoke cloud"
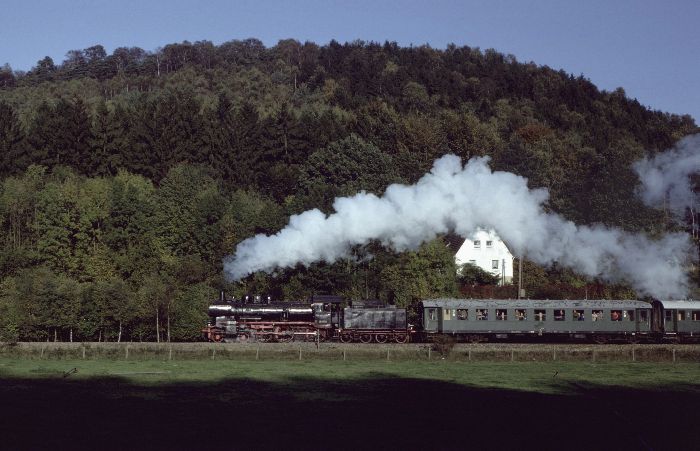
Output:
[[453, 197], [667, 176]]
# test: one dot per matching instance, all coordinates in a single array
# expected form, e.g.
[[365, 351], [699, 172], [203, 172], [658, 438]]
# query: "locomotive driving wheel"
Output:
[[381, 338], [401, 338], [346, 337], [285, 337], [365, 338]]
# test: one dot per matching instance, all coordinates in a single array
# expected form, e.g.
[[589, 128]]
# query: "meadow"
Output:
[[319, 404]]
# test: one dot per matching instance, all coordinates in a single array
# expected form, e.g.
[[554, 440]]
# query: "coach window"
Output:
[[597, 315], [681, 315], [540, 315], [628, 315], [579, 316], [695, 314], [616, 315], [668, 315], [432, 314], [462, 313], [559, 315], [501, 314], [521, 314], [482, 314], [446, 314]]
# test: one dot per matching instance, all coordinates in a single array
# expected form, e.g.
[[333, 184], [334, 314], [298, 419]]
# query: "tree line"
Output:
[[126, 178]]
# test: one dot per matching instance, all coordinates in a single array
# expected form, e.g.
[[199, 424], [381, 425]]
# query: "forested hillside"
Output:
[[127, 178]]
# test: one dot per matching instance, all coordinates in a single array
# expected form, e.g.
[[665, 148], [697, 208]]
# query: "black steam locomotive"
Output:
[[323, 318]]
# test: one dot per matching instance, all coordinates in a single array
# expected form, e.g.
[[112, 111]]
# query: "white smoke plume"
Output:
[[452, 197], [666, 177]]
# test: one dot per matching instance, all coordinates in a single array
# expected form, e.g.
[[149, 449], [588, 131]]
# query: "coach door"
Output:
[[670, 320], [430, 316]]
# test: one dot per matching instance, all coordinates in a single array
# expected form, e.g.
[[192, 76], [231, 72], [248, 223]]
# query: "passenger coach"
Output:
[[478, 320]]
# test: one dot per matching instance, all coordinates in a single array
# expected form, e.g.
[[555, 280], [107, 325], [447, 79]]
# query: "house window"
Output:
[[477, 243], [489, 243], [494, 264], [462, 313]]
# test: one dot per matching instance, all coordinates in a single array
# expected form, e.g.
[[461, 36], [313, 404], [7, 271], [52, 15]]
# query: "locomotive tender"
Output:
[[475, 320]]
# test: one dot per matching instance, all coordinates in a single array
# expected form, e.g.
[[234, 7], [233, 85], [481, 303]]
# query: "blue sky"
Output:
[[650, 48]]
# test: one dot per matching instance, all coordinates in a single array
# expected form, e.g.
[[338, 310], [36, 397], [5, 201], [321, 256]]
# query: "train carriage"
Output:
[[482, 320], [677, 320]]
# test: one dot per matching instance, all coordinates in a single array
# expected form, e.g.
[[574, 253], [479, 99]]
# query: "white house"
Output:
[[487, 251]]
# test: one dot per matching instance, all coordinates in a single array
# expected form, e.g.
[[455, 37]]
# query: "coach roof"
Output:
[[537, 303], [681, 305]]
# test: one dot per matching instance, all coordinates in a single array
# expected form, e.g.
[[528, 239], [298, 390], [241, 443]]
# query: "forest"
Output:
[[127, 178]]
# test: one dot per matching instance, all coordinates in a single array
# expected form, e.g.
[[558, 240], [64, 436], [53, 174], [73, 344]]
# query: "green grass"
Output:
[[529, 376], [317, 404]]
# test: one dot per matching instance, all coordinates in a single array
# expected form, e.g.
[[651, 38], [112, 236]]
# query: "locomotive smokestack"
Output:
[[453, 197]]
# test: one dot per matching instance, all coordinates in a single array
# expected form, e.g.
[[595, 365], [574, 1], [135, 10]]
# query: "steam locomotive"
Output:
[[475, 320], [322, 318]]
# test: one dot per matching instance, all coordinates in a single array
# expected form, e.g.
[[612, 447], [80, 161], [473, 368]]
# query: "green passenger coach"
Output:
[[478, 320]]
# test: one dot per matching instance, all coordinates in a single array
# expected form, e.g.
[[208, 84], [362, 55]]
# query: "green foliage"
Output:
[[470, 274], [429, 272]]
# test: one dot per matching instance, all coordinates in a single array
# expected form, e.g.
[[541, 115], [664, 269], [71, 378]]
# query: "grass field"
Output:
[[195, 404]]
